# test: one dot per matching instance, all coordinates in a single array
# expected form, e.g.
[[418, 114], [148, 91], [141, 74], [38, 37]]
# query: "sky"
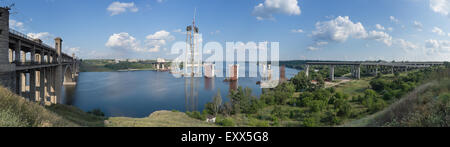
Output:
[[351, 30]]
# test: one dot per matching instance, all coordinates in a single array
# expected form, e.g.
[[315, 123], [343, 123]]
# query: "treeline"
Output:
[[129, 65]]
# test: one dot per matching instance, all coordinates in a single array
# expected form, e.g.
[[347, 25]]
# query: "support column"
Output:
[[332, 72], [353, 71], [52, 85], [42, 56], [48, 58], [18, 82], [358, 72], [307, 70], [392, 69], [58, 70], [32, 85], [17, 49], [376, 70], [47, 84], [33, 55], [42, 86]]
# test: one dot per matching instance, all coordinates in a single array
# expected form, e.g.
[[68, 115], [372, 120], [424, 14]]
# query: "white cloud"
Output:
[[312, 48], [266, 10], [123, 41], [442, 45], [41, 35], [342, 28], [406, 45], [160, 1], [393, 19], [321, 43], [16, 24], [390, 29], [440, 6], [116, 8], [438, 31], [297, 31], [437, 49], [155, 41], [418, 25], [338, 30], [379, 27], [70, 50], [380, 36]]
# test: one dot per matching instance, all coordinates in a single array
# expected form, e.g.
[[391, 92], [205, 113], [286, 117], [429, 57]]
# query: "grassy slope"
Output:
[[158, 119], [417, 108], [15, 111], [371, 119]]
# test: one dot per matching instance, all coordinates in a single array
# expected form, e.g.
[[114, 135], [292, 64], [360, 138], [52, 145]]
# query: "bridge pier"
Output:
[[392, 69], [307, 70], [332, 72], [376, 70], [32, 85], [42, 86]]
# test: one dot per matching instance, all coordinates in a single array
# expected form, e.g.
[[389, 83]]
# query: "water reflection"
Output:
[[191, 93], [209, 84], [139, 93]]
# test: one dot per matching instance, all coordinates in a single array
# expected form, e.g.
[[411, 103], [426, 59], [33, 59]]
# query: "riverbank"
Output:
[[112, 66], [15, 111]]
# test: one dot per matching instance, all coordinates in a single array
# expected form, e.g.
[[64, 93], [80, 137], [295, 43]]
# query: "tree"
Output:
[[242, 100], [301, 82], [320, 82], [343, 107]]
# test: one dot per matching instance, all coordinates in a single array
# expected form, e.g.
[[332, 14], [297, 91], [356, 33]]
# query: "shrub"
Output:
[[196, 115], [343, 108], [317, 105], [228, 122], [9, 119], [258, 123], [311, 121]]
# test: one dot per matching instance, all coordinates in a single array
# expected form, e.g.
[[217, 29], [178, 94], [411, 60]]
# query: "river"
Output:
[[139, 93]]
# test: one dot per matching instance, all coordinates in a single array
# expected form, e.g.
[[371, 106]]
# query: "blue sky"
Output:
[[306, 29]]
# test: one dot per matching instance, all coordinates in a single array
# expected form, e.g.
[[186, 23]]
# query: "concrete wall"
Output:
[[7, 70]]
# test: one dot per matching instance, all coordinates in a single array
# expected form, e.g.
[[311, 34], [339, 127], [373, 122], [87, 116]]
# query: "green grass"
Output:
[[158, 119], [354, 87], [15, 111], [77, 116]]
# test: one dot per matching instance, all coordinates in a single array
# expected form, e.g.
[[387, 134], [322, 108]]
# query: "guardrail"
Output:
[[27, 63], [12, 31]]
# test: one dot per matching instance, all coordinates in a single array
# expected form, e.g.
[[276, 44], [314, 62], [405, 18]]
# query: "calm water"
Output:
[[139, 93]]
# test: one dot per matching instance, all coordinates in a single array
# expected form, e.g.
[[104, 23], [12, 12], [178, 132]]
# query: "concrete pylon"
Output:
[[42, 86], [307, 70], [332, 72], [58, 75], [32, 85]]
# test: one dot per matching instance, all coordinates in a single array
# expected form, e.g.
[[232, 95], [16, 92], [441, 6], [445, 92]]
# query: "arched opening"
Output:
[[68, 78]]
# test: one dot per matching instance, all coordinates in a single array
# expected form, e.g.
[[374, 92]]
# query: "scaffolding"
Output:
[[192, 66]]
